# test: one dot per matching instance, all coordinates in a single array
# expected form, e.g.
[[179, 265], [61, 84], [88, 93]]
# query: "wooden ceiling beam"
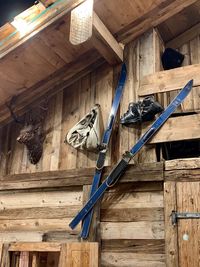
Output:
[[184, 37], [105, 43], [51, 16], [153, 18]]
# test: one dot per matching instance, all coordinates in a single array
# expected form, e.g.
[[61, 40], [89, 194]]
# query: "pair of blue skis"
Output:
[[121, 166], [104, 147]]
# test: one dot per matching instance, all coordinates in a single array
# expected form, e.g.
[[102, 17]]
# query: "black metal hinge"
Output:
[[184, 215]]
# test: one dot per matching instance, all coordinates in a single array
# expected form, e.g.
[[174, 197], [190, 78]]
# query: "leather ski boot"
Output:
[[133, 114], [149, 108]]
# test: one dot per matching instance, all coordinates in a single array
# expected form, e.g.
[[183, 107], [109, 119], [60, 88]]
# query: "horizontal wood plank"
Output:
[[132, 215], [191, 175], [132, 230], [169, 80], [38, 225], [51, 199], [148, 246], [40, 247], [132, 259], [21, 236], [39, 213], [132, 200], [68, 178], [182, 164], [178, 129]]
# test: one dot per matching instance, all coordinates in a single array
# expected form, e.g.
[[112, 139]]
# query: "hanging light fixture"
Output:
[[81, 22]]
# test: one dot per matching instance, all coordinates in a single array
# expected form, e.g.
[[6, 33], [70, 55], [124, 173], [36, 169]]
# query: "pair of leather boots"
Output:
[[141, 111]]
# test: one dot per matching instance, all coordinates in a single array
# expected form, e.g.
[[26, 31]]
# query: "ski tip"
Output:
[[72, 225], [190, 83], [124, 67]]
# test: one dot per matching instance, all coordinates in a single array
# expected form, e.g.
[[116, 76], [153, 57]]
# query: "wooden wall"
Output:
[[71, 104], [132, 216]]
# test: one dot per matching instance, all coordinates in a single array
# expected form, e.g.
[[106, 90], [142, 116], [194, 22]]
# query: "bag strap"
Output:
[[121, 166], [104, 147]]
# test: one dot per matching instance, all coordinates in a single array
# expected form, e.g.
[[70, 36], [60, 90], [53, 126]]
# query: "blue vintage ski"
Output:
[[104, 146], [120, 168]]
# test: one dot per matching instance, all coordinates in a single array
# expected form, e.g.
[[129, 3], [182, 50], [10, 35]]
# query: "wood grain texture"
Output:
[[171, 234], [79, 254], [105, 43], [132, 259], [188, 201], [36, 246], [177, 129], [75, 177], [184, 37], [182, 164], [169, 80]]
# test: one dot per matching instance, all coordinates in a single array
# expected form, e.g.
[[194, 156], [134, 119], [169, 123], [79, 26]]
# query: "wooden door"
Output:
[[188, 200], [182, 239]]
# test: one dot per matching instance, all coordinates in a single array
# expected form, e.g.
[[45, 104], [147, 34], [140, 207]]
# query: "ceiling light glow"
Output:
[[22, 26]]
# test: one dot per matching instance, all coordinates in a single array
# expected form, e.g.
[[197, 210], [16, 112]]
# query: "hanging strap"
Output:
[[104, 147], [120, 168]]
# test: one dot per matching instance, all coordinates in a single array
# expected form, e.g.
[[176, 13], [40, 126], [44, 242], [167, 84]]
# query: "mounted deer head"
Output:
[[32, 135]]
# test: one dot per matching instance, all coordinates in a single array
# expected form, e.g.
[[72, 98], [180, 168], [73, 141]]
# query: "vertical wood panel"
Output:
[[79, 255], [188, 198], [171, 235]]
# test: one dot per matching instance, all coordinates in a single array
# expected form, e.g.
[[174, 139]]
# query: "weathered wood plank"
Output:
[[132, 200], [132, 230], [178, 129], [17, 200], [183, 175], [148, 246], [75, 177], [17, 236], [171, 235], [36, 246], [169, 80], [132, 214], [39, 212], [188, 198], [38, 225], [182, 164], [132, 259]]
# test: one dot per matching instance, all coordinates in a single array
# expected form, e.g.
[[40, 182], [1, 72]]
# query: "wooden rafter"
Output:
[[105, 43], [94, 30], [51, 15], [184, 37], [153, 18]]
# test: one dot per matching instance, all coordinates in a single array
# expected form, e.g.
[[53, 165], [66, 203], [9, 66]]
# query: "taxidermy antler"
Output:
[[32, 134]]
